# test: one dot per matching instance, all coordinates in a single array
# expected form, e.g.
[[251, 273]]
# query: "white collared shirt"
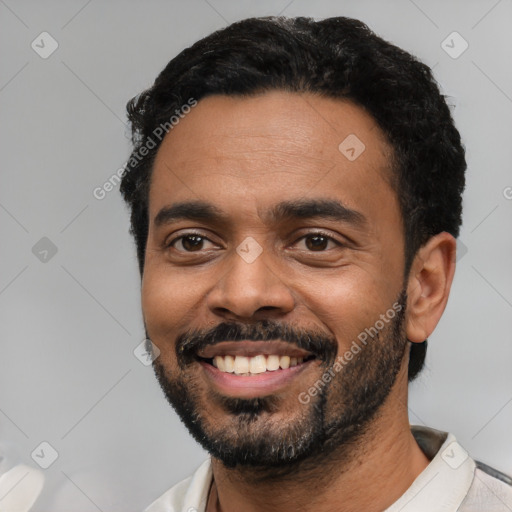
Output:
[[452, 482], [19, 488]]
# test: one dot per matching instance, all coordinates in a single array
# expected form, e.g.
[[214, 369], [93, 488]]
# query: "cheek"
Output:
[[165, 302], [171, 298], [345, 303], [155, 297]]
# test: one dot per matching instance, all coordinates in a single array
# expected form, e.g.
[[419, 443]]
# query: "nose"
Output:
[[250, 289]]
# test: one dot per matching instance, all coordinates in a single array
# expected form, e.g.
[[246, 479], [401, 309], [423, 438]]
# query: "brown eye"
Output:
[[192, 242], [188, 243], [317, 242]]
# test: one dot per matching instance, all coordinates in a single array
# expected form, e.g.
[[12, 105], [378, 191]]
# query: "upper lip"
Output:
[[252, 348]]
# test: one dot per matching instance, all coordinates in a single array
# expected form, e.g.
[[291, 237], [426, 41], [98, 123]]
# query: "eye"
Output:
[[189, 242], [318, 242]]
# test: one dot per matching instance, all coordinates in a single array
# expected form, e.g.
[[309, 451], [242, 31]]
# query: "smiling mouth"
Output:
[[247, 366]]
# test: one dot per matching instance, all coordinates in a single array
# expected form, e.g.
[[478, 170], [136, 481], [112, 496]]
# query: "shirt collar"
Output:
[[440, 487], [445, 482]]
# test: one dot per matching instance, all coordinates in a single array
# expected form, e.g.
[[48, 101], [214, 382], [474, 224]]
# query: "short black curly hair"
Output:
[[338, 58]]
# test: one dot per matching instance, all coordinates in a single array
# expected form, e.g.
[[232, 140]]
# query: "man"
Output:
[[295, 192]]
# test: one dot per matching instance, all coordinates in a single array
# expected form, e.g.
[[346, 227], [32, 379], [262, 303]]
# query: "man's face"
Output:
[[273, 259]]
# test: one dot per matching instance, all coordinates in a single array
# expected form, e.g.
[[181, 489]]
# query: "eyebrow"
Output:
[[286, 210]]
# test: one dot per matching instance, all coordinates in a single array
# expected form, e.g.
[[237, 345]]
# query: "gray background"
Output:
[[69, 324]]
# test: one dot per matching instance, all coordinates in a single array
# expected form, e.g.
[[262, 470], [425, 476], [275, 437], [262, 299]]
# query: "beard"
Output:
[[279, 434]]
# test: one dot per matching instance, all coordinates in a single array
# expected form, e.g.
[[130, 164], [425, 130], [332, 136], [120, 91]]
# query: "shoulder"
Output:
[[491, 490], [454, 480], [189, 494]]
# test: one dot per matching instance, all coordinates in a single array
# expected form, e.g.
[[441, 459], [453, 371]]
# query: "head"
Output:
[[292, 182]]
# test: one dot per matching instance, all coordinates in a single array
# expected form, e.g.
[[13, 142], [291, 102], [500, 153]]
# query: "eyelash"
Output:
[[169, 244]]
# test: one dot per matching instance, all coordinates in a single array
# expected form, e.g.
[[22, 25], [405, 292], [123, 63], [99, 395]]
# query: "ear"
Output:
[[429, 284]]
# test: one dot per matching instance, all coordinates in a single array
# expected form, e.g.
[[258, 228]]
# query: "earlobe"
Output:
[[429, 285]]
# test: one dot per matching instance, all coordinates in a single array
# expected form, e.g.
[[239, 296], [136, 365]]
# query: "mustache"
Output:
[[323, 346]]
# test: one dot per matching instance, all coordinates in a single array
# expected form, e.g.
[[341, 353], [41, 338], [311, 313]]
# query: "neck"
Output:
[[371, 474]]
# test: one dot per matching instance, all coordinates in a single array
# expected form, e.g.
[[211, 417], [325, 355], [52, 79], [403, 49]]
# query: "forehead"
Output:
[[247, 154]]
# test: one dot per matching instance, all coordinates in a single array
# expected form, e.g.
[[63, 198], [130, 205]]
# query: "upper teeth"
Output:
[[242, 365]]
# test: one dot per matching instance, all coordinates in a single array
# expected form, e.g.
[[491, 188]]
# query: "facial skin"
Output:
[[244, 156]]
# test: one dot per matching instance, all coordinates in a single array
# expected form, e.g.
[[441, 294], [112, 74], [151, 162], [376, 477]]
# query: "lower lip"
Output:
[[252, 386]]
